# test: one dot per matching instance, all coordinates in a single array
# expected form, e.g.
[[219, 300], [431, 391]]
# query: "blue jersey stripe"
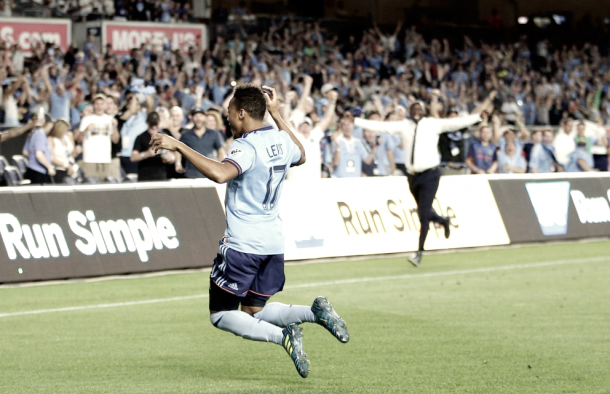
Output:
[[234, 164]]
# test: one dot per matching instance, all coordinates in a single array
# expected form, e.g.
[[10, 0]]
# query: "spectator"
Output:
[[202, 140], [349, 152], [176, 118], [542, 158], [61, 143], [37, 149], [509, 162], [451, 147], [383, 143], [310, 137], [112, 109], [151, 166], [510, 110], [97, 132], [580, 161], [134, 125], [527, 148], [140, 11], [9, 103], [482, 155], [564, 143], [595, 136]]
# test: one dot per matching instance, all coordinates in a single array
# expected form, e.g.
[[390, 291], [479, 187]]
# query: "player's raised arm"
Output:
[[273, 106]]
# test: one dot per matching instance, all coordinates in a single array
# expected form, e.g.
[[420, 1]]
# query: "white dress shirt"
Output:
[[426, 133]]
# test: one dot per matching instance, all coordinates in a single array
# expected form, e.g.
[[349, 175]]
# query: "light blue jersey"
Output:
[[262, 158], [352, 154]]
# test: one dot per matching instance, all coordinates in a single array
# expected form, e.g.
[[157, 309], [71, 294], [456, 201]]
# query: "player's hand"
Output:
[[273, 101], [163, 141]]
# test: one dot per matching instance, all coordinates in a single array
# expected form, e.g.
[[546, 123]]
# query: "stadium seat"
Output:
[[13, 177], [21, 162], [91, 180], [3, 163]]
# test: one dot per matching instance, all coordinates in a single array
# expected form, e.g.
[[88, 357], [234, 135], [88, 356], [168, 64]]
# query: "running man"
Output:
[[249, 267]]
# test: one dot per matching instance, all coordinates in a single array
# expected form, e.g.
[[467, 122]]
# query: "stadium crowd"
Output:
[[165, 11], [95, 111]]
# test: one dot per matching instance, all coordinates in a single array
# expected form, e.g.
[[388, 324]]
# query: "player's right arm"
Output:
[[211, 169]]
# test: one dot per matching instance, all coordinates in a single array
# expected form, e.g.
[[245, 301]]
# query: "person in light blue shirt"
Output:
[[134, 125], [542, 157], [60, 103], [349, 152], [511, 162], [580, 161], [249, 267]]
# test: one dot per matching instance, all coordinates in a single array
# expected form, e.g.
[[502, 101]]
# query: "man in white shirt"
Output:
[[564, 142], [420, 137], [97, 132], [310, 138]]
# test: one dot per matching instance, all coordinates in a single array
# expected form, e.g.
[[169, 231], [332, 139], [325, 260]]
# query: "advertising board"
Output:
[[64, 232], [124, 36], [29, 32], [364, 216], [539, 209]]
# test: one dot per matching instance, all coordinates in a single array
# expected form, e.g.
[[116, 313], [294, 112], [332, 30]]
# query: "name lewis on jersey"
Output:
[[275, 150]]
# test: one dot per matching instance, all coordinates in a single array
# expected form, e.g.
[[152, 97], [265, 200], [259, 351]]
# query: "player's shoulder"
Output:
[[242, 144]]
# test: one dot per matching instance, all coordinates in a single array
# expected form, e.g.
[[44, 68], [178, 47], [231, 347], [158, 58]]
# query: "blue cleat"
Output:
[[329, 319], [293, 343]]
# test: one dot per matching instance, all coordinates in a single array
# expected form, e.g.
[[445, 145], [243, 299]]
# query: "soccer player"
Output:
[[249, 267]]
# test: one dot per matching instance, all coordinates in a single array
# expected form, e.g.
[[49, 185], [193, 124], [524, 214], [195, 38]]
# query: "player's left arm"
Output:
[[273, 104], [211, 169]]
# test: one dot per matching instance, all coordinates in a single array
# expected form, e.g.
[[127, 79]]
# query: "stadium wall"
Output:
[[56, 232]]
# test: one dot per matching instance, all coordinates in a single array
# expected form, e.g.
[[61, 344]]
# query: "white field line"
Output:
[[328, 283]]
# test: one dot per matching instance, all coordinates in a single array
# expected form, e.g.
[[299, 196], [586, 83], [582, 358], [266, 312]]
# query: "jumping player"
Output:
[[249, 267]]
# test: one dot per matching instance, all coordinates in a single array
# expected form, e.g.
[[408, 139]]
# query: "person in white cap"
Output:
[[420, 136]]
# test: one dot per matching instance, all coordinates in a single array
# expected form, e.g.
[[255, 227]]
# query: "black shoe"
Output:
[[416, 258], [447, 226]]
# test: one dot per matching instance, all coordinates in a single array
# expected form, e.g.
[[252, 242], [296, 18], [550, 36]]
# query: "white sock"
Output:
[[248, 327], [282, 315]]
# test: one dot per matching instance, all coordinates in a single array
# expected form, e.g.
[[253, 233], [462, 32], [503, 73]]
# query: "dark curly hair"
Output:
[[251, 99]]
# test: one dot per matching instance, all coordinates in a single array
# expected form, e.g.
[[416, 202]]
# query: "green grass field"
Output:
[[520, 320]]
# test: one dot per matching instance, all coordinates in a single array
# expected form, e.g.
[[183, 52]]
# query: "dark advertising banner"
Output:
[[557, 208], [68, 232]]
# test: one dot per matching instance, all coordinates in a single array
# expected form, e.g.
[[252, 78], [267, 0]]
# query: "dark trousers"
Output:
[[601, 162], [128, 166], [423, 187], [37, 178]]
